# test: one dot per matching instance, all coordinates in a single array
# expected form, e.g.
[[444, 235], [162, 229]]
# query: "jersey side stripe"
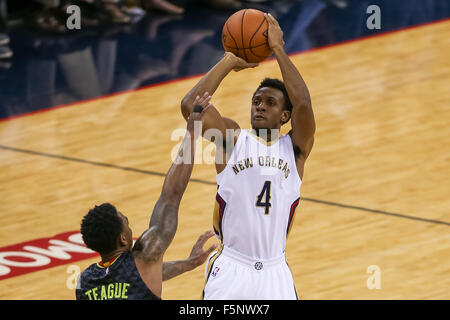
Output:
[[219, 209], [291, 215]]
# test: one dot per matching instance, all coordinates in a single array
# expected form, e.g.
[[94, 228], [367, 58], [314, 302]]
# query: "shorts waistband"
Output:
[[254, 263]]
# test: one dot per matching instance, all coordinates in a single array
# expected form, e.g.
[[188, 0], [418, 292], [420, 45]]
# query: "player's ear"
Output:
[[285, 116], [123, 239]]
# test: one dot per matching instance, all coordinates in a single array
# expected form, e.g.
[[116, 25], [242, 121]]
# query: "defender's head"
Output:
[[104, 229], [271, 107]]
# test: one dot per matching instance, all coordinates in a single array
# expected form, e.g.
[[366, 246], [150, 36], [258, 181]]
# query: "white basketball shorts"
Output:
[[232, 276]]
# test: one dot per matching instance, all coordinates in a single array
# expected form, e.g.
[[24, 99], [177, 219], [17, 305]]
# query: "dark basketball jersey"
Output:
[[119, 280]]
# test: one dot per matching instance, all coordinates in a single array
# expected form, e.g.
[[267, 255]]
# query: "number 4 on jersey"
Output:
[[264, 195]]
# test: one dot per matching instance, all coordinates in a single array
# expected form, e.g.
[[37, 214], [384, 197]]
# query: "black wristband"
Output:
[[198, 108]]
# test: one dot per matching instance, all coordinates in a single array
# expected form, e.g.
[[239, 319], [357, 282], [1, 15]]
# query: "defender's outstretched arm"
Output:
[[150, 247], [163, 223]]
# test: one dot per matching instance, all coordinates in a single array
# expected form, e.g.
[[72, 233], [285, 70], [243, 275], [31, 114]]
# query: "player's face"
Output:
[[126, 230], [267, 108]]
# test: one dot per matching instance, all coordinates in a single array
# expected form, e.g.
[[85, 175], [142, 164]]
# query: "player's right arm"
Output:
[[208, 84], [212, 119]]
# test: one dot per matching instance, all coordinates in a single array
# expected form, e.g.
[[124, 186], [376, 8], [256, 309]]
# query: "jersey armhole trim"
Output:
[[220, 174], [293, 157]]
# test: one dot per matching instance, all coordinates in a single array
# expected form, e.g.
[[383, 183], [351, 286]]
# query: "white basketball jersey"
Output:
[[257, 194]]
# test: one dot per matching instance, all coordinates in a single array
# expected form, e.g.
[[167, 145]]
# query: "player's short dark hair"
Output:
[[277, 84], [101, 227]]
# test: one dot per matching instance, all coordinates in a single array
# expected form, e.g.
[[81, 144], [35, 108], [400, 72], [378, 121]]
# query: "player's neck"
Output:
[[112, 255], [267, 135]]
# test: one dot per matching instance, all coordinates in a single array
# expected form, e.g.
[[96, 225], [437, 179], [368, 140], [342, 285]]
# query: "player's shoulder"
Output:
[[231, 124], [232, 129], [295, 148], [89, 271]]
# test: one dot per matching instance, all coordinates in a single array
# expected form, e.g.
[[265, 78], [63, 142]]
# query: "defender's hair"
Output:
[[101, 227], [277, 84]]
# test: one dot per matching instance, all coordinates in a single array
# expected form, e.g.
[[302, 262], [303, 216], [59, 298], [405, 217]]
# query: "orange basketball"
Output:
[[245, 35]]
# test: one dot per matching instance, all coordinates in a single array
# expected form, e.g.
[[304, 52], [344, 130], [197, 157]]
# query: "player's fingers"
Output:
[[273, 20], [200, 109], [209, 233], [206, 108], [205, 96], [269, 18], [203, 100], [205, 236], [206, 101], [199, 98], [201, 240], [212, 248]]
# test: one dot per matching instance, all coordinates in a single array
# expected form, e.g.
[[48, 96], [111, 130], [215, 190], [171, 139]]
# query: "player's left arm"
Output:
[[196, 258], [302, 116]]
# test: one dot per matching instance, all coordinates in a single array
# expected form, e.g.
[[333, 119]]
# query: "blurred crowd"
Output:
[[51, 16], [121, 45], [127, 44]]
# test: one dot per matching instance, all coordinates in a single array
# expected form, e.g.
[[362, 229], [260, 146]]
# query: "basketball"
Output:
[[245, 35]]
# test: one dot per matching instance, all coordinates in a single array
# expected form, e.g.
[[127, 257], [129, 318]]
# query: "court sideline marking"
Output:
[[156, 173]]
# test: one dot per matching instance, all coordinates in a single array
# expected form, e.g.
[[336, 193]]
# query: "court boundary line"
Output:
[[293, 54], [156, 173]]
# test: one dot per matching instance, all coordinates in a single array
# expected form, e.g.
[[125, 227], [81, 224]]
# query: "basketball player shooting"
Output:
[[137, 272], [257, 194]]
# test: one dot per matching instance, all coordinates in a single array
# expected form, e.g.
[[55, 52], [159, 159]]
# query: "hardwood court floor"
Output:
[[375, 186]]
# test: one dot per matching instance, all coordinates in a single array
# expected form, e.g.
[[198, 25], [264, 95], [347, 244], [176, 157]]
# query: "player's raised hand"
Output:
[[238, 63], [201, 105], [203, 101], [275, 34], [198, 254]]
